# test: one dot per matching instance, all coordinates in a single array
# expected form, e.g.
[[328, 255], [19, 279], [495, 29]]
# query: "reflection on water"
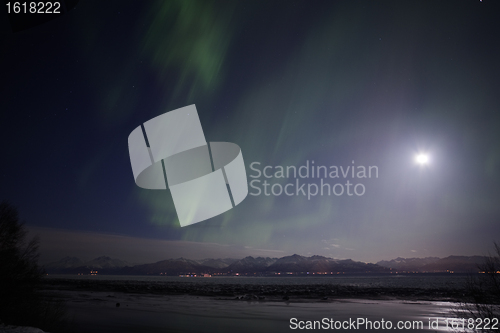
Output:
[[159, 313]]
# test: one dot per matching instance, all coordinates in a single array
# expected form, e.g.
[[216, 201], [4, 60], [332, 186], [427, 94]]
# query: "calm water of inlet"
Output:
[[98, 311]]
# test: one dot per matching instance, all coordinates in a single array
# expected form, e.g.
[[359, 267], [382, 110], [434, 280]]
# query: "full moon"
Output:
[[422, 159]]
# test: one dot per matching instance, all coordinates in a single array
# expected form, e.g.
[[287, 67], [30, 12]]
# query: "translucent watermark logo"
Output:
[[310, 179], [205, 179]]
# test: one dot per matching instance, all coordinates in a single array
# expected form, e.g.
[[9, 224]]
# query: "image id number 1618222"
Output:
[[33, 7]]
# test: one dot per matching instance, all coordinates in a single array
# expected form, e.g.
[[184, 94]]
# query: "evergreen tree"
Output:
[[20, 275]]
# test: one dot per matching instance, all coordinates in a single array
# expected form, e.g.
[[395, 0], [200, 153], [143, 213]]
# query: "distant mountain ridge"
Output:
[[66, 262], [250, 265], [71, 265], [217, 263], [407, 264], [294, 264], [456, 264], [166, 267]]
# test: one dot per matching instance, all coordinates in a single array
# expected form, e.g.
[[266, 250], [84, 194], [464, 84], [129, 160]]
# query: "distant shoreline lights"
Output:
[[309, 171]]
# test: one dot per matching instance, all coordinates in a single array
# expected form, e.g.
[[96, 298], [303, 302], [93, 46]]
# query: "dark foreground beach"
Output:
[[266, 305]]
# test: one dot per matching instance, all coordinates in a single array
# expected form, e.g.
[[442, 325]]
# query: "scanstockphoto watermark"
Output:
[[310, 180]]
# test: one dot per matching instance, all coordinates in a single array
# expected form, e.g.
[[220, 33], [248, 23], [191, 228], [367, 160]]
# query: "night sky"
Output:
[[374, 82]]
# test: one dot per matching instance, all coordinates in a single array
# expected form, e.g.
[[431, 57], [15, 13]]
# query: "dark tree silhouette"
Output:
[[21, 302], [483, 291], [20, 275]]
